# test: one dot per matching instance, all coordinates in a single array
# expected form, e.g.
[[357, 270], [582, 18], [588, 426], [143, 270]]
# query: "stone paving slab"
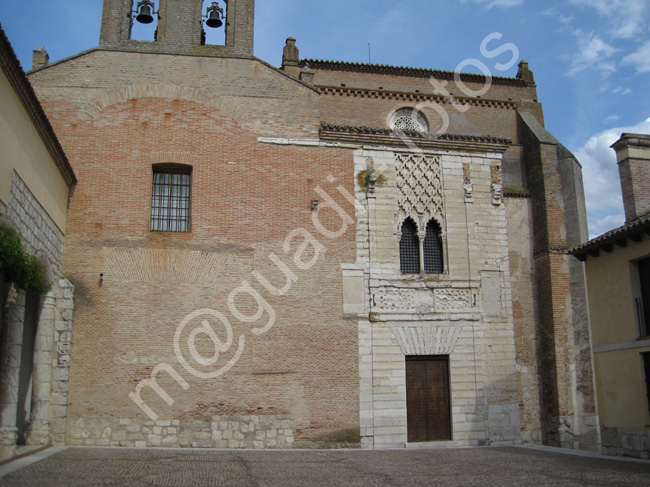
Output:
[[512, 466]]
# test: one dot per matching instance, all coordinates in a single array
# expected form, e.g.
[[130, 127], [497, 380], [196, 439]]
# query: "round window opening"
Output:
[[409, 120]]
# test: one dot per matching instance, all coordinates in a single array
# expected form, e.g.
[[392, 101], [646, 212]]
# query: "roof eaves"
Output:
[[619, 236], [407, 71], [18, 79]]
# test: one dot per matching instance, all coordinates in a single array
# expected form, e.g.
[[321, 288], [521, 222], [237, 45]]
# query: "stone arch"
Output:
[[427, 340], [93, 107]]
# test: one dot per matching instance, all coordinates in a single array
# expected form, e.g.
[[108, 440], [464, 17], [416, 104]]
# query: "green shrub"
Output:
[[18, 266]]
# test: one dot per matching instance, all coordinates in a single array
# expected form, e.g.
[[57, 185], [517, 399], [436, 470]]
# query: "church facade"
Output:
[[320, 254]]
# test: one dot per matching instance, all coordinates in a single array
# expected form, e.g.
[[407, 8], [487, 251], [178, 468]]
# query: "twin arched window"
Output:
[[412, 251]]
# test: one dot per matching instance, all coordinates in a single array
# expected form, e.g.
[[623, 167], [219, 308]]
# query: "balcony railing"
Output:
[[639, 310]]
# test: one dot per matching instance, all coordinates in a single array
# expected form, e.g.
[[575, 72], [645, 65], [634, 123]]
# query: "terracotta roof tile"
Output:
[[619, 236]]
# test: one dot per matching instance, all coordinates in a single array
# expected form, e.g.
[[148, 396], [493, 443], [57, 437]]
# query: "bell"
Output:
[[214, 20], [145, 17]]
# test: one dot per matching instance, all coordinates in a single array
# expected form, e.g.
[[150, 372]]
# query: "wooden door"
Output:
[[428, 404]]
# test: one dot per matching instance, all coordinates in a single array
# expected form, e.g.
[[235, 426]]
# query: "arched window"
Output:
[[433, 262], [409, 120], [409, 248]]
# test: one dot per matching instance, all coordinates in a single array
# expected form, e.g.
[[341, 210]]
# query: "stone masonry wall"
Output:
[[239, 431], [465, 313], [52, 328], [40, 235], [625, 442]]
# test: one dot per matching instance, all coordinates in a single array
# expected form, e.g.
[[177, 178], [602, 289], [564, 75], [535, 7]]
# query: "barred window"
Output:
[[643, 302], [433, 262], [171, 198], [409, 248], [646, 370]]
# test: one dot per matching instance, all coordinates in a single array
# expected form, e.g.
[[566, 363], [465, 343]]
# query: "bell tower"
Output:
[[179, 26]]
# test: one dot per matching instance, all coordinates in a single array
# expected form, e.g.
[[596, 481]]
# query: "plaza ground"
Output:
[[506, 466]]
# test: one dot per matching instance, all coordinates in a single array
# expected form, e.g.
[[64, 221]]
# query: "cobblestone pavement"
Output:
[[88, 467]]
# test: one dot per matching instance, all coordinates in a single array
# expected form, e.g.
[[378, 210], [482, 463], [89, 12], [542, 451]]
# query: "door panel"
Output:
[[428, 401]]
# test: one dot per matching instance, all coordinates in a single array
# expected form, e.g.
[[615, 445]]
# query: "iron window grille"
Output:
[[171, 199], [646, 370], [409, 248], [642, 304], [433, 260]]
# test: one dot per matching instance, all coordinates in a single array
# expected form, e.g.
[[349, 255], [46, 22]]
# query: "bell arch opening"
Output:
[[144, 20], [213, 23]]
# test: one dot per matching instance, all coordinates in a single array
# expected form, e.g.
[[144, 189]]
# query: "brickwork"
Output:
[[178, 28], [246, 199], [253, 95], [271, 155], [518, 216], [633, 152], [374, 110], [568, 411]]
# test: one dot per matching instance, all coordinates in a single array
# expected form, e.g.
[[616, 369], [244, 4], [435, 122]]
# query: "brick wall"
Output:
[[246, 199], [178, 28], [250, 133]]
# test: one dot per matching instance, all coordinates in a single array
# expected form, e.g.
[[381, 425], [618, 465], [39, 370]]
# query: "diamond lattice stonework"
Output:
[[419, 180]]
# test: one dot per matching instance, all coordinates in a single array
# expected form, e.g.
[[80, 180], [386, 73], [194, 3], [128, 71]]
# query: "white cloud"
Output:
[[566, 21], [621, 91], [612, 118], [601, 179], [640, 59], [598, 226], [627, 17], [496, 3], [593, 53]]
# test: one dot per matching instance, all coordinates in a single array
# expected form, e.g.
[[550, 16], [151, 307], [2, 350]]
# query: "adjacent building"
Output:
[[618, 281], [323, 253], [35, 182]]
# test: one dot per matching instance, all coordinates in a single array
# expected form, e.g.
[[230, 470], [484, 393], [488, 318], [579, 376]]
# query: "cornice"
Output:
[[377, 136], [19, 82], [415, 97], [406, 71], [516, 192]]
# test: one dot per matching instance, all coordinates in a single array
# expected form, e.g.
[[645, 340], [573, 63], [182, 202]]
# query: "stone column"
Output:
[[421, 236], [11, 339], [61, 361], [38, 431]]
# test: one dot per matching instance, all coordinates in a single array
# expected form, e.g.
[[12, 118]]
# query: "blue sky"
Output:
[[591, 58]]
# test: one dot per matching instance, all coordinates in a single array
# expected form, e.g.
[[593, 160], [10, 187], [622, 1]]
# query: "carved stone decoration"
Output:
[[497, 194], [452, 300], [467, 186], [426, 340], [395, 300], [497, 185], [419, 179]]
